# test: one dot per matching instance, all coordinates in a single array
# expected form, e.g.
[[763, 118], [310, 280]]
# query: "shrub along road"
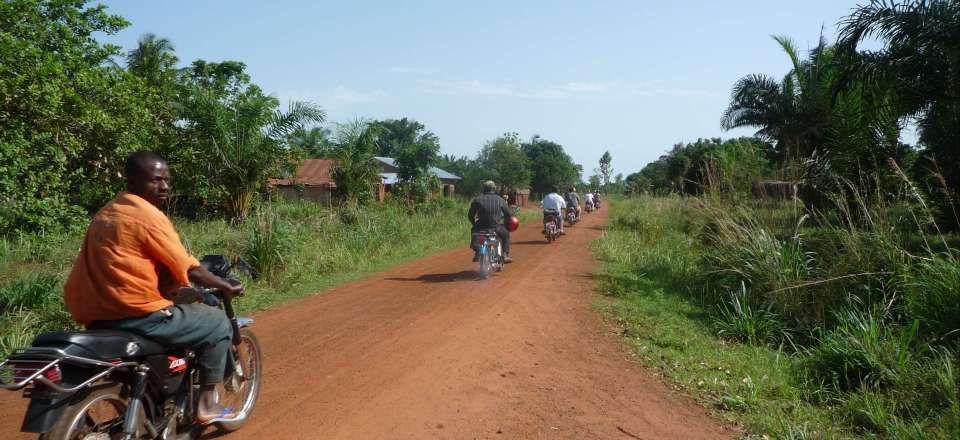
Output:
[[425, 350]]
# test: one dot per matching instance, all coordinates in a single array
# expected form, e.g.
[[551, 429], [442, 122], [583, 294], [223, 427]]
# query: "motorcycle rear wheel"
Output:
[[99, 414], [485, 265]]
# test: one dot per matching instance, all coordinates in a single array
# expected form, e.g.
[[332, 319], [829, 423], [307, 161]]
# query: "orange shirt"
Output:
[[130, 255]]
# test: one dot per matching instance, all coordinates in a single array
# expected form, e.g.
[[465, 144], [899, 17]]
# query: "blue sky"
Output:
[[631, 77]]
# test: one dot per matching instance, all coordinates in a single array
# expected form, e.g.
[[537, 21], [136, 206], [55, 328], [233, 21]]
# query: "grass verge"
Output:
[[780, 368]]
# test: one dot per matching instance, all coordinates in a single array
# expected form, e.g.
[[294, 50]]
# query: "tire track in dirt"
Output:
[[424, 350]]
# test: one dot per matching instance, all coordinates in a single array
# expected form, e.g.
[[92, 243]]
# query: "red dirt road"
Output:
[[424, 350]]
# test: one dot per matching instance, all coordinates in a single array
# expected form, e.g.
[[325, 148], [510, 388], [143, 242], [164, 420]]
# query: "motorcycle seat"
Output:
[[100, 344]]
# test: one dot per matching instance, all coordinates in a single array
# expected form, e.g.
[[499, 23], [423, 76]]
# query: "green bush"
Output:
[[741, 320], [31, 292], [270, 246], [933, 296], [863, 350]]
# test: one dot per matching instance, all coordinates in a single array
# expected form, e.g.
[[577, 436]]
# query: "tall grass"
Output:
[[854, 313]]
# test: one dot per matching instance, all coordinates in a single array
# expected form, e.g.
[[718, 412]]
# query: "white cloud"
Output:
[[507, 89]]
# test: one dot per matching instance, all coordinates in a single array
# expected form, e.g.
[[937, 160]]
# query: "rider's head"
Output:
[[554, 189], [489, 187], [573, 189], [147, 176]]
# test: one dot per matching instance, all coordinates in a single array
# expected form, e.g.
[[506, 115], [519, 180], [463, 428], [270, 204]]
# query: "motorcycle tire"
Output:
[[252, 365], [485, 265], [71, 422]]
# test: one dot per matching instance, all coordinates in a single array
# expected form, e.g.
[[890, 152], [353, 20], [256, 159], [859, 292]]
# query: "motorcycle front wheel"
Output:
[[241, 389]]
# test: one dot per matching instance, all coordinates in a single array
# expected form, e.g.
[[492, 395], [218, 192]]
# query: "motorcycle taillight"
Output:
[[53, 374], [24, 369]]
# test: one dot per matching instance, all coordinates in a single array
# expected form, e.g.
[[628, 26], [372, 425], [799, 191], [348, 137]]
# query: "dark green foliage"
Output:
[[67, 116], [506, 163], [549, 165], [415, 150], [470, 170], [313, 142], [357, 172], [728, 166], [920, 62]]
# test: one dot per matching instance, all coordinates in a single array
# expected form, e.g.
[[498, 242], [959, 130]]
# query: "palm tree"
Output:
[[921, 61], [357, 172], [244, 140], [153, 60], [793, 112]]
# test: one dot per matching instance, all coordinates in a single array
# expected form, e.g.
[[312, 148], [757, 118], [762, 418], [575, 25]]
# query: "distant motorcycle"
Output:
[[489, 252], [589, 207], [571, 215], [551, 226], [111, 384]]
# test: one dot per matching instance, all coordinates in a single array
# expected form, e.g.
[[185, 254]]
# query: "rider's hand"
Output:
[[234, 290]]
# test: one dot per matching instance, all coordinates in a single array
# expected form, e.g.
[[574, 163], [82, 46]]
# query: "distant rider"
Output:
[[487, 212], [553, 203], [573, 200], [588, 200]]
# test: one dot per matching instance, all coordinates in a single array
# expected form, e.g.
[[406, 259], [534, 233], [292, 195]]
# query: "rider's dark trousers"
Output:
[[502, 233], [189, 326]]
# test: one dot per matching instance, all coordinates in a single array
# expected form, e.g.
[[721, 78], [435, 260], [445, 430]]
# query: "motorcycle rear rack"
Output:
[[52, 357]]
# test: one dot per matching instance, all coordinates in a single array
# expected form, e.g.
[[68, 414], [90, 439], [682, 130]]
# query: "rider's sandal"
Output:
[[222, 417]]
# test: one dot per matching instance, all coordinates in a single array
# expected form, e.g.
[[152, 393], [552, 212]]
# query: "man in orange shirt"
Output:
[[131, 263]]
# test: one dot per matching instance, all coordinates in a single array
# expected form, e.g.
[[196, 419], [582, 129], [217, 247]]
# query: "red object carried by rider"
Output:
[[512, 223]]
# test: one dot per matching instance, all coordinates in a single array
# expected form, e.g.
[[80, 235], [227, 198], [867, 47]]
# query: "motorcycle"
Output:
[[489, 252], [589, 207], [571, 216], [111, 384], [551, 226]]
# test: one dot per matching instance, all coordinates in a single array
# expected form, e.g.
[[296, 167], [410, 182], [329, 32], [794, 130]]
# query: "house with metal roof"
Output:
[[313, 180], [390, 177]]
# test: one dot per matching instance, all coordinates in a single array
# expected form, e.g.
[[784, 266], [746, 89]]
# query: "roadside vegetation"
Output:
[[806, 282], [791, 326]]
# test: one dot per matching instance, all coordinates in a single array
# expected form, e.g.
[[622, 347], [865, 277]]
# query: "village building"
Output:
[[313, 180], [390, 178]]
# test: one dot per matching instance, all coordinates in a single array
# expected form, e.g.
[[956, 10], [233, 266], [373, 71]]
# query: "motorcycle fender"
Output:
[[42, 414]]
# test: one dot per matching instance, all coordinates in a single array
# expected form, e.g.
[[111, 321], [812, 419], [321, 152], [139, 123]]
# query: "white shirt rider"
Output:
[[553, 202], [588, 198]]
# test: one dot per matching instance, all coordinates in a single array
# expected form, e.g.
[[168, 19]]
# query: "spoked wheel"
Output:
[[240, 390], [98, 416], [485, 264]]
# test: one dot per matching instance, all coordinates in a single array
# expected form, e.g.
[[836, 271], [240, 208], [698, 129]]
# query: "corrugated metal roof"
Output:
[[389, 178], [441, 174]]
